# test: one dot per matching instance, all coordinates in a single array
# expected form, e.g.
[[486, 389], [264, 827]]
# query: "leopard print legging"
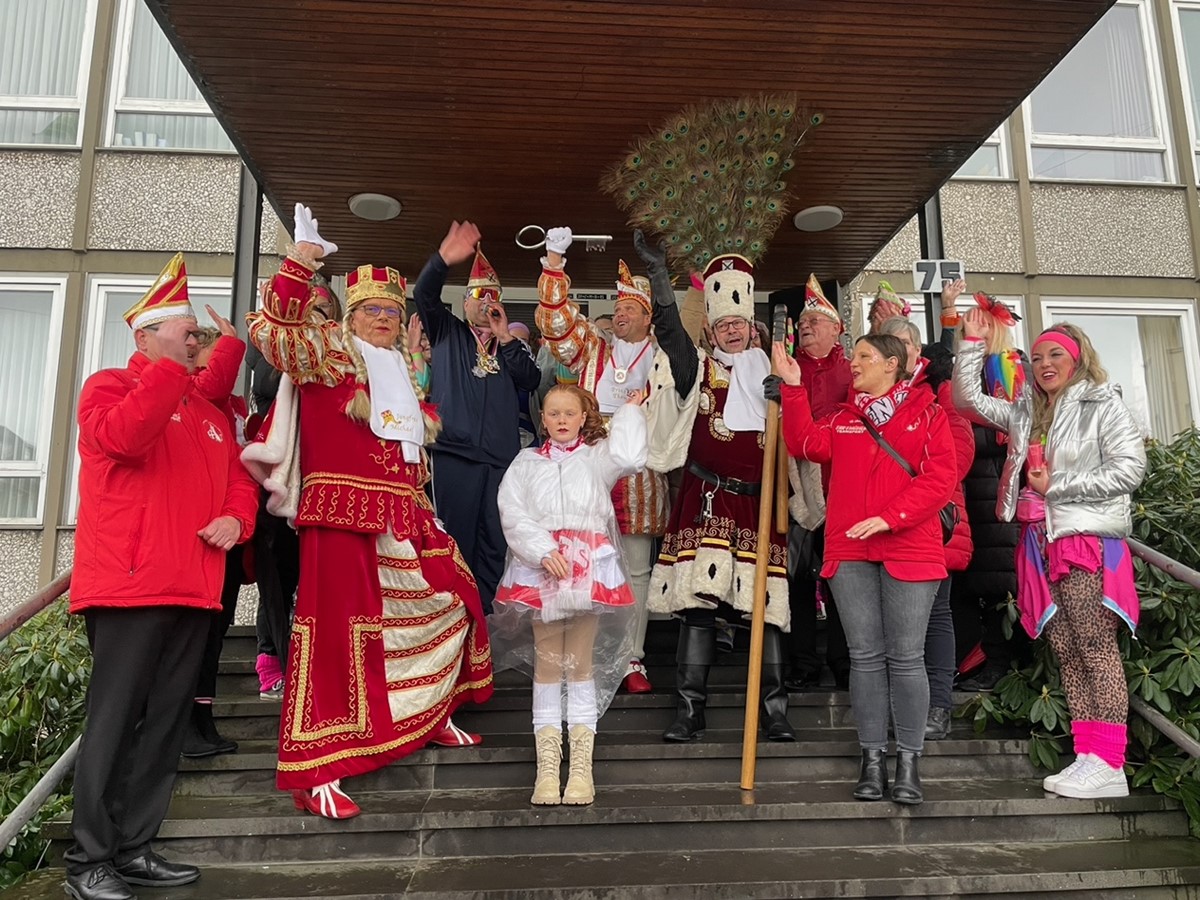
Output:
[[1084, 635]]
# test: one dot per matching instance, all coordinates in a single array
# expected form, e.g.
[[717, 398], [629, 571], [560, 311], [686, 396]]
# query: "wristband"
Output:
[[951, 320]]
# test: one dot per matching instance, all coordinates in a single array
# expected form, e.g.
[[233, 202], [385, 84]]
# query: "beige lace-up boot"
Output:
[[548, 740], [580, 789]]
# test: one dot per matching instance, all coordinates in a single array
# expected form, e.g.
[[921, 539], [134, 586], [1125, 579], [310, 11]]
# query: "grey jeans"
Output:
[[885, 621]]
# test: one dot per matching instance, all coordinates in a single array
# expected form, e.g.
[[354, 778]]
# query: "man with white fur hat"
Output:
[[708, 415]]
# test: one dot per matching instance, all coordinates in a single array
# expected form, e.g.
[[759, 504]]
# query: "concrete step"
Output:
[[623, 758], [1134, 869], [683, 819]]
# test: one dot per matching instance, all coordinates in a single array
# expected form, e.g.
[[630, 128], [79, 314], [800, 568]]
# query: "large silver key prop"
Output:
[[597, 242]]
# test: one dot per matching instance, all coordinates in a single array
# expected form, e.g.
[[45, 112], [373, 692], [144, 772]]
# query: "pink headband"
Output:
[[1064, 340]]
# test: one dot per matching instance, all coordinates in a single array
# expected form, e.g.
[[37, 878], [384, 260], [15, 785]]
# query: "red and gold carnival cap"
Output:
[[816, 302], [484, 282], [632, 287], [373, 283], [166, 299]]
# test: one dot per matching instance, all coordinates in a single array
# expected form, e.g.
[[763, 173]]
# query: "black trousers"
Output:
[[277, 572], [206, 683], [804, 656], [465, 492], [144, 667]]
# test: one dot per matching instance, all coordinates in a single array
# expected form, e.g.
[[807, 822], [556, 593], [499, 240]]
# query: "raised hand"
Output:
[[308, 239], [977, 324], [785, 364], [173, 336], [558, 240], [459, 243], [222, 532], [951, 291], [498, 318], [415, 330], [655, 258], [223, 325], [881, 311]]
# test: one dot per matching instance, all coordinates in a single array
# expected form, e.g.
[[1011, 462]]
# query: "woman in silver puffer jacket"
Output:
[[1084, 455]]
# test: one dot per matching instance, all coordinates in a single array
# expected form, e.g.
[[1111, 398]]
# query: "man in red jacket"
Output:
[[163, 496], [826, 372]]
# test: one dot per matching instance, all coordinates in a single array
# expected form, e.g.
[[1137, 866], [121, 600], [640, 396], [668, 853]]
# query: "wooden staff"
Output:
[[766, 506]]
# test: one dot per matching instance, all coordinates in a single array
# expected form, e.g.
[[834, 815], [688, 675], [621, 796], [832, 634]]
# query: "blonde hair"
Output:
[[359, 407], [592, 429], [1087, 368], [206, 336]]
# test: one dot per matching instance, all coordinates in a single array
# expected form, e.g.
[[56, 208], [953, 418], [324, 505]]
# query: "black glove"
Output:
[[772, 390], [655, 259]]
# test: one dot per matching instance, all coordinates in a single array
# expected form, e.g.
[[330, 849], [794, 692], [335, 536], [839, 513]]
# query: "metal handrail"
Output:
[[1172, 567], [36, 798], [35, 604]]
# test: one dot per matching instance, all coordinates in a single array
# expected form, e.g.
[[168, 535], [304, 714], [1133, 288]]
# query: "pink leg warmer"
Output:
[[269, 670], [1110, 740]]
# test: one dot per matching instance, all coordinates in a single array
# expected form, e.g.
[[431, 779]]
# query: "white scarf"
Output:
[[395, 411], [611, 396], [745, 405]]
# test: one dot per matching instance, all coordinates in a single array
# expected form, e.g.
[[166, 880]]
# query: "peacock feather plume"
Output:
[[711, 180]]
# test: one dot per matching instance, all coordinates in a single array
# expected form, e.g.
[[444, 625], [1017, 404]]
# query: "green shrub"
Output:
[[44, 670], [1162, 665]]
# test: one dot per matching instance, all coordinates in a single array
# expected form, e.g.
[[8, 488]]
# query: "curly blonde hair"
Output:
[[1088, 368], [593, 429]]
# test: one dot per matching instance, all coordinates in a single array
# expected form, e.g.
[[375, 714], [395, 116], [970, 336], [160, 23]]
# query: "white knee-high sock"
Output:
[[547, 705], [581, 703]]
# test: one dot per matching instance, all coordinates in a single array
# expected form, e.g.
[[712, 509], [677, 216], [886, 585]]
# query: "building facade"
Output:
[[1083, 206]]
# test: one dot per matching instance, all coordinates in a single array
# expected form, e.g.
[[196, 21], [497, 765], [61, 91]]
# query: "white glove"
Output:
[[306, 231], [558, 240]]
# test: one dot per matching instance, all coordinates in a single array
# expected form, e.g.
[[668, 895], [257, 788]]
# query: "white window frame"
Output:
[[77, 103], [998, 139], [1158, 112], [1184, 310], [200, 290], [118, 103], [1189, 89], [57, 285], [965, 302]]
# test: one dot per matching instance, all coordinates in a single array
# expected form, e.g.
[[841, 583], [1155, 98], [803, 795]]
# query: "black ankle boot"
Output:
[[906, 788], [937, 724], [696, 653], [872, 777], [202, 738], [774, 693]]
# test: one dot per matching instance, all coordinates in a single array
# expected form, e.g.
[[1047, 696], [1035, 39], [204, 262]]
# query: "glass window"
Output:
[[1189, 39], [108, 343], [156, 103], [44, 49], [990, 160], [30, 324], [1098, 116], [1156, 371]]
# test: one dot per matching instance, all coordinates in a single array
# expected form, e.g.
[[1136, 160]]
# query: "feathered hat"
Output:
[[166, 299], [816, 302], [375, 283], [484, 282], [710, 181], [632, 287]]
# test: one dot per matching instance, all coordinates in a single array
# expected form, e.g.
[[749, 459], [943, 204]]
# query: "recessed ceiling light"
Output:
[[375, 207], [818, 218]]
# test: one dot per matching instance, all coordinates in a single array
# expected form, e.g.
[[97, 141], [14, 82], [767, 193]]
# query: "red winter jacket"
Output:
[[960, 547], [157, 464], [867, 482]]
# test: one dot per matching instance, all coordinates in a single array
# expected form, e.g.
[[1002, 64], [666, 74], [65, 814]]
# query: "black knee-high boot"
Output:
[[697, 652], [774, 694]]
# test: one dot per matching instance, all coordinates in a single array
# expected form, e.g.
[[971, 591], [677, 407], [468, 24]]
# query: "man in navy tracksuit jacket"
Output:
[[478, 369]]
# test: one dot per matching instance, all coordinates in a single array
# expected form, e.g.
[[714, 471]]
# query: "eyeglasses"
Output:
[[727, 325], [191, 334], [390, 311], [484, 294]]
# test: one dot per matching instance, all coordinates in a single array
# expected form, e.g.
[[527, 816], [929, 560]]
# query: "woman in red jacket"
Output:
[[883, 542], [934, 365]]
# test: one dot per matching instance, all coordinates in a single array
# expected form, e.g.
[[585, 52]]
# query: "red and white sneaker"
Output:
[[450, 735], [328, 801], [635, 681]]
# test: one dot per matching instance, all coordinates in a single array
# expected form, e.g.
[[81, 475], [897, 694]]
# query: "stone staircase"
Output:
[[669, 820]]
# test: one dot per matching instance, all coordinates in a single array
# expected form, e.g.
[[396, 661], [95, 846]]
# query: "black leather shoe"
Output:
[[801, 680], [152, 870], [937, 725], [202, 738], [98, 883], [906, 788], [983, 680], [872, 778]]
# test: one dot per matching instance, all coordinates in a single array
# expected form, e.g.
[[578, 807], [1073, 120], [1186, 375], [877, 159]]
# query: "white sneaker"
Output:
[[1093, 780], [1050, 782], [274, 692]]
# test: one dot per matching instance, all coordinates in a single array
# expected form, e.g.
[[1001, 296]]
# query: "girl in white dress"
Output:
[[564, 610]]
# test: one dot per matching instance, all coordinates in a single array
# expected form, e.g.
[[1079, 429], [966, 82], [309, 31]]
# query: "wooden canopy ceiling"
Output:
[[506, 112]]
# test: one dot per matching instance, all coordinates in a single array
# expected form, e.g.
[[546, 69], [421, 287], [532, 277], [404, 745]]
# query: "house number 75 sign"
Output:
[[930, 274]]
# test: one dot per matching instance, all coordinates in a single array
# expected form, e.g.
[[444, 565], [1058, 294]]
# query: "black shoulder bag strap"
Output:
[[889, 449]]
